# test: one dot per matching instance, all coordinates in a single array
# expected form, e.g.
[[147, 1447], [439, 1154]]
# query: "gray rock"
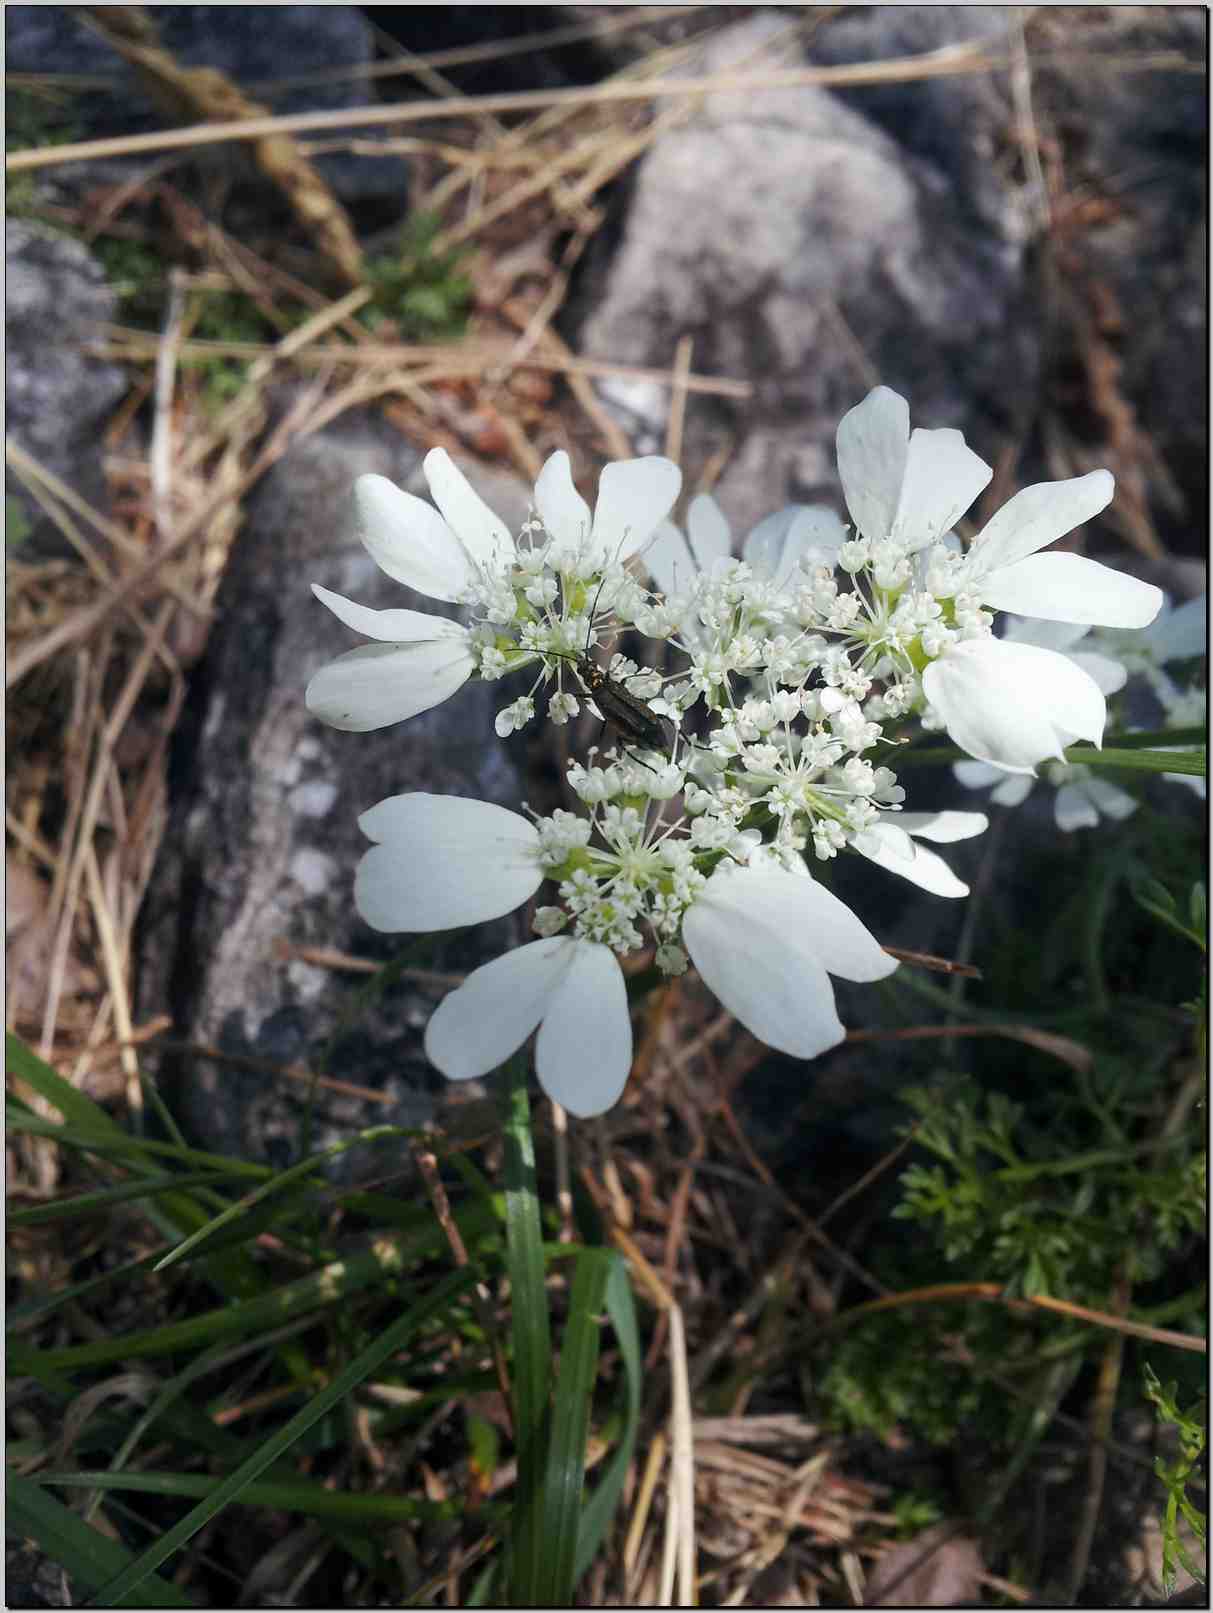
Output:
[[263, 839], [1141, 266], [253, 46], [788, 234], [955, 126], [57, 397]]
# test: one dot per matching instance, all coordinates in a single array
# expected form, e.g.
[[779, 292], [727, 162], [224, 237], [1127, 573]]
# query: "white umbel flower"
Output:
[[910, 488], [766, 940], [467, 555]]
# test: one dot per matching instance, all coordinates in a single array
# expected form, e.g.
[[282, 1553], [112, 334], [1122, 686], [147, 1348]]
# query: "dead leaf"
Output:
[[938, 1568]]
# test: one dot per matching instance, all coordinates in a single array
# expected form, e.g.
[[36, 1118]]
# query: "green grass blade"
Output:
[[600, 1508], [386, 1257], [115, 1141], [532, 1337], [103, 1198], [232, 1487], [76, 1107], [286, 1495], [277, 1183], [570, 1425], [91, 1559]]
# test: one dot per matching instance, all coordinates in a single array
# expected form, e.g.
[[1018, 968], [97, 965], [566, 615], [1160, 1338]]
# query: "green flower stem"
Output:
[[1127, 751]]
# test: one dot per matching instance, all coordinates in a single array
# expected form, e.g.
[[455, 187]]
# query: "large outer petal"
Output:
[[407, 538], [944, 827], [942, 478], [1063, 637], [1111, 800], [1038, 516], [763, 938], [443, 861], [1013, 704], [1070, 588], [583, 1052], [1074, 809], [378, 684], [563, 511], [634, 497], [708, 532], [924, 869], [484, 536], [668, 560], [478, 1025], [1107, 674], [389, 626], [873, 443], [778, 541], [1180, 633]]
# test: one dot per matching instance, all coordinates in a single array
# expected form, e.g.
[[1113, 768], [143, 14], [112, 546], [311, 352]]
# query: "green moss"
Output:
[[418, 289]]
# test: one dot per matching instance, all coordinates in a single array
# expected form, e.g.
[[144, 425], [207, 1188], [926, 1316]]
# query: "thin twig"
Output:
[[951, 62]]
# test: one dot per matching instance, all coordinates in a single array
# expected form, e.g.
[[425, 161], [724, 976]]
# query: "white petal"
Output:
[[484, 536], [563, 511], [976, 775], [378, 684], [1106, 673], [1074, 810], [389, 626], [1060, 636], [1192, 780], [925, 869], [873, 442], [1038, 516], [583, 1052], [1013, 704], [1070, 588], [478, 1025], [443, 861], [942, 478], [885, 842], [944, 827], [1181, 633], [634, 497], [409, 540], [1014, 789], [1111, 800], [762, 939], [777, 543], [708, 531], [668, 560], [782, 996]]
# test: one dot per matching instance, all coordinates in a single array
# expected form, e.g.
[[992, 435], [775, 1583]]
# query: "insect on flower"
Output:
[[625, 711]]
